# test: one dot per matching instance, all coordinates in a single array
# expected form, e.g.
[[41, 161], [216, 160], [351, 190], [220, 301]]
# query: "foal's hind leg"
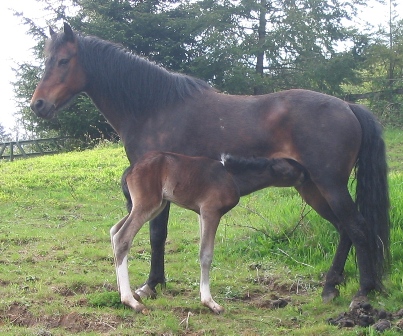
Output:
[[114, 229], [208, 228], [334, 276], [122, 236]]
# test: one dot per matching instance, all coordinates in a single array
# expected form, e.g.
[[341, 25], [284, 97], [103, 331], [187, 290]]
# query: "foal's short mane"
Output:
[[133, 84]]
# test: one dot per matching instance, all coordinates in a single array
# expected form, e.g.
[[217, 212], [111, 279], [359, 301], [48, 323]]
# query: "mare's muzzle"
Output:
[[43, 109]]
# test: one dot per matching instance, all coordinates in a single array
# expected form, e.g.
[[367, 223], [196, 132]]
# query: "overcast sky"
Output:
[[16, 45]]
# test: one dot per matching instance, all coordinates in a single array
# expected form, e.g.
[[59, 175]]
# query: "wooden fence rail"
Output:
[[28, 148]]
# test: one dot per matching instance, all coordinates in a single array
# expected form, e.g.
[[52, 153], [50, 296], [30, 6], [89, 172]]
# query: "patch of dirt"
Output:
[[261, 299], [274, 302], [286, 287], [19, 315], [365, 315], [73, 290]]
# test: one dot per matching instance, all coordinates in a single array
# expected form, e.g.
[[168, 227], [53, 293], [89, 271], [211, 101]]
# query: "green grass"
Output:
[[56, 266]]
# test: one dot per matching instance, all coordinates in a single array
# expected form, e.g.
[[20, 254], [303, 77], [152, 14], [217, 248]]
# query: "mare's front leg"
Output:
[[158, 235], [208, 228]]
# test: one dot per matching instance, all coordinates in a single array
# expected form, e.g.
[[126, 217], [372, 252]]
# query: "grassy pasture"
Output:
[[56, 266]]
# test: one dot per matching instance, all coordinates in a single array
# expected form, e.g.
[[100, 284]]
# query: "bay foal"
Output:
[[208, 187]]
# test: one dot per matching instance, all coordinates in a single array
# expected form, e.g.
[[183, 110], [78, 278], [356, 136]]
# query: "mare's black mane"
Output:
[[133, 84]]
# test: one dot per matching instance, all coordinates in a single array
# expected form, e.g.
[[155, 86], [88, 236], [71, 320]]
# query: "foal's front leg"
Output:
[[208, 229]]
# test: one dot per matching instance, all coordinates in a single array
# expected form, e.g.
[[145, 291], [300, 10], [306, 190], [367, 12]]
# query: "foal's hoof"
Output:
[[330, 294], [145, 292], [135, 305], [217, 309], [214, 307]]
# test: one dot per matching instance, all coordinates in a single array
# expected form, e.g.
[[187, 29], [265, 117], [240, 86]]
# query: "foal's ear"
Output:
[[68, 33]]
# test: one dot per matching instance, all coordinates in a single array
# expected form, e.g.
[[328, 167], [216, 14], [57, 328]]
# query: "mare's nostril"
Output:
[[38, 105]]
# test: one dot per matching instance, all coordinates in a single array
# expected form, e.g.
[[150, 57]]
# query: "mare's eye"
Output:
[[63, 61]]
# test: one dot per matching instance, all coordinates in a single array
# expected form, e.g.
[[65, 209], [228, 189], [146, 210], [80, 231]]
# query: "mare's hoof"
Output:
[[145, 292], [330, 295], [359, 301], [137, 297]]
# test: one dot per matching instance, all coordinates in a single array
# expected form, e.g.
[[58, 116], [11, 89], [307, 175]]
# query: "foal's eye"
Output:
[[63, 61]]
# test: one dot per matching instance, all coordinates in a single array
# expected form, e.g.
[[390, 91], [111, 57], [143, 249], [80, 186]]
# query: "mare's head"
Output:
[[64, 77]]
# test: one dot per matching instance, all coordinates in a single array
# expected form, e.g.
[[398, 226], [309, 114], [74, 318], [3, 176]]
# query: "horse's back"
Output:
[[297, 124]]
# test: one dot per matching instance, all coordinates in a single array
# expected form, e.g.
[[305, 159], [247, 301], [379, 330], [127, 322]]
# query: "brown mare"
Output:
[[153, 109], [206, 186]]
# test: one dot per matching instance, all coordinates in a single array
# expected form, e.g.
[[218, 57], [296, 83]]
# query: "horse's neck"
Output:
[[249, 183], [114, 116], [127, 88]]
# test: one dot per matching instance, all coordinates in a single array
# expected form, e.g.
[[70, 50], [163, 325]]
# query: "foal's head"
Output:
[[63, 79]]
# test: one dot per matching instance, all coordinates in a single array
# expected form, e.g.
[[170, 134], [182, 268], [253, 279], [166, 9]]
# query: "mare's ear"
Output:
[[68, 33], [51, 31]]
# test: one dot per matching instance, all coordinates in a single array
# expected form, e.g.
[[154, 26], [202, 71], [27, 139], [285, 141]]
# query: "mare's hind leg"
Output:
[[354, 225], [158, 235], [334, 276], [208, 228]]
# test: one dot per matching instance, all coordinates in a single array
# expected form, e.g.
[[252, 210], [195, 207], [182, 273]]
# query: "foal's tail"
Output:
[[125, 189], [372, 194]]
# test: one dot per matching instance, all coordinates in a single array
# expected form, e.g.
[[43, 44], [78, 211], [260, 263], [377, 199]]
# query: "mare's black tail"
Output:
[[372, 193]]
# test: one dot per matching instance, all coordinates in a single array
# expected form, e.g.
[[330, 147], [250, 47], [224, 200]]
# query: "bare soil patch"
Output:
[[19, 315]]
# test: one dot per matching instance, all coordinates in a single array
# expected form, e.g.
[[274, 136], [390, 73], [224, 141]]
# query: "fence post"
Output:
[[11, 151]]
